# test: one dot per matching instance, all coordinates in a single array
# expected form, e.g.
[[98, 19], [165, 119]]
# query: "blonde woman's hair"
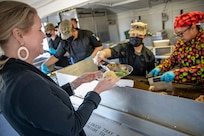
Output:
[[14, 14]]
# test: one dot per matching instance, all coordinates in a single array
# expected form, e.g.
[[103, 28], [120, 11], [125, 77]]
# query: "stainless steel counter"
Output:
[[128, 111]]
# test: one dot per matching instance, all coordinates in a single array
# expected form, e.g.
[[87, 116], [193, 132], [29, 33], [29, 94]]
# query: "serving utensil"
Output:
[[159, 85], [104, 67]]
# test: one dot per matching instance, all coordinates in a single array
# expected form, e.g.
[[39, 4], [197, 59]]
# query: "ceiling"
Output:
[[117, 6], [46, 7]]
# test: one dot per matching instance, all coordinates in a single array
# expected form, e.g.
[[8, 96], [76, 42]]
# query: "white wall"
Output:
[[152, 16]]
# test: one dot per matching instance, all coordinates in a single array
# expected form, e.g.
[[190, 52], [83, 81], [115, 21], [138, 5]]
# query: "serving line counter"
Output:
[[131, 112], [134, 111]]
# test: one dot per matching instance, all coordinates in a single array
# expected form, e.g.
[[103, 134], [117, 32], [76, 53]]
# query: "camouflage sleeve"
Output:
[[169, 63], [193, 74]]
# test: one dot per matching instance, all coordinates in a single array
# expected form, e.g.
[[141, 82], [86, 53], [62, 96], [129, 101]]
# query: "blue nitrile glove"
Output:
[[154, 71], [45, 69], [88, 57], [71, 60], [52, 51], [168, 76]]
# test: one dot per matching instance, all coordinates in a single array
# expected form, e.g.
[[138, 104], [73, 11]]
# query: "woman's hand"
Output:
[[86, 77], [89, 76], [106, 84], [103, 85]]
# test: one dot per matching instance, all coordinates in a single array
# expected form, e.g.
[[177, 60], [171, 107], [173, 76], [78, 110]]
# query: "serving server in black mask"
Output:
[[133, 52], [53, 43]]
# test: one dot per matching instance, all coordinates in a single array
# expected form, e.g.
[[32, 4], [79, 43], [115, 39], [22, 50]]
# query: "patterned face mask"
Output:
[[135, 41]]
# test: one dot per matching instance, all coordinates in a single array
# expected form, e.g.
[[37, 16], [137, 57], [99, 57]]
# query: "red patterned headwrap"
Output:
[[188, 19]]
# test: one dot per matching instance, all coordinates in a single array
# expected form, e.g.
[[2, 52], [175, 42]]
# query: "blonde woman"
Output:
[[30, 101]]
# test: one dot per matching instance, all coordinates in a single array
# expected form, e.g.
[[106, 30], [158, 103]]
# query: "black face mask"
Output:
[[135, 41], [48, 35]]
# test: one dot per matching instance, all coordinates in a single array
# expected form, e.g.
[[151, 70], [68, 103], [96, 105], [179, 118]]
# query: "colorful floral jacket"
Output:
[[189, 58]]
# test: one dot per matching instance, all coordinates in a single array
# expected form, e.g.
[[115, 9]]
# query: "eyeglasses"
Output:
[[180, 34]]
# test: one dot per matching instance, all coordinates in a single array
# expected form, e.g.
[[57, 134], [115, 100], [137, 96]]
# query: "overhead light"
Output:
[[116, 4], [123, 2]]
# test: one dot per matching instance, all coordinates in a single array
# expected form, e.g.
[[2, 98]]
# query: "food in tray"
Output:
[[151, 88], [163, 93], [200, 98], [109, 73]]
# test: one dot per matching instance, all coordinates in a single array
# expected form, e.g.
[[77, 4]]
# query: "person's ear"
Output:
[[73, 30], [143, 38], [193, 27], [18, 35]]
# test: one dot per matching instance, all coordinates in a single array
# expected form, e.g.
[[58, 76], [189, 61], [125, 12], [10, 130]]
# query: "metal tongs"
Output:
[[152, 79], [104, 65], [159, 85]]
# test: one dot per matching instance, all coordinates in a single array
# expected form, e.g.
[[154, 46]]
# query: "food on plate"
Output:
[[109, 73], [121, 73], [120, 70], [117, 67]]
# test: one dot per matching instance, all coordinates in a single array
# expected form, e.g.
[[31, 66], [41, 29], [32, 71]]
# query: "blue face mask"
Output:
[[135, 41]]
